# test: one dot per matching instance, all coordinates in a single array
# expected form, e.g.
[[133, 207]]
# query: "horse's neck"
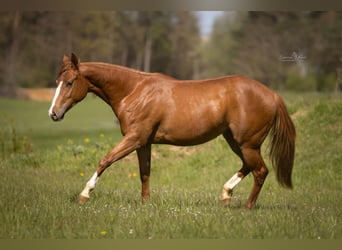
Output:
[[110, 82]]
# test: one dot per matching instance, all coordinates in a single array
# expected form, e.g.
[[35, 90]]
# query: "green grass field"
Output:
[[44, 165]]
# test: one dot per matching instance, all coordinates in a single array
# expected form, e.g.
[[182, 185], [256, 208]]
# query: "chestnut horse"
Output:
[[154, 108]]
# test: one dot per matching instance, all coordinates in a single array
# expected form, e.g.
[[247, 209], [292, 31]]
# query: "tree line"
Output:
[[284, 50], [33, 43]]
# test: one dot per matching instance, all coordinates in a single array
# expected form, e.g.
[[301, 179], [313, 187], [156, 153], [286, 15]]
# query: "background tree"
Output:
[[247, 43], [9, 42], [32, 43], [254, 43]]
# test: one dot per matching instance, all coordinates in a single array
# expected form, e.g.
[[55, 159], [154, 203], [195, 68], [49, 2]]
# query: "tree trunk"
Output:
[[148, 54], [13, 60]]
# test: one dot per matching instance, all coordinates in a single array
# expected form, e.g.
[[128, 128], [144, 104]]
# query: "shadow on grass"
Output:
[[74, 198]]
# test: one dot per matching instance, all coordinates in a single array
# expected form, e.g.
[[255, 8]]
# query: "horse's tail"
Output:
[[283, 144]]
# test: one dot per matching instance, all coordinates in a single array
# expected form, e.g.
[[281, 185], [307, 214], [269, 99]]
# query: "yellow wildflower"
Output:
[[81, 174], [132, 174], [86, 140], [103, 232]]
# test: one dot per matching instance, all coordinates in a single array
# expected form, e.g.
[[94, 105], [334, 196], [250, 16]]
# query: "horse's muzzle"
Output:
[[55, 117]]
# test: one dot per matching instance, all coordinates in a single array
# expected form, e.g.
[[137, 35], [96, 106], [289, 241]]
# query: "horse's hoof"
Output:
[[145, 199], [250, 206], [226, 197], [82, 199], [225, 202]]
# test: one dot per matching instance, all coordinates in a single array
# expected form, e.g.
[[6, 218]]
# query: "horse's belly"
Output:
[[185, 134]]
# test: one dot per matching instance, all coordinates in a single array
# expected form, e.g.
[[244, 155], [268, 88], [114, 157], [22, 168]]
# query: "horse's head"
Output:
[[71, 88]]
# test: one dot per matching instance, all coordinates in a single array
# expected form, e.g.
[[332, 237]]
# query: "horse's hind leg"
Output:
[[252, 162], [256, 164], [227, 190]]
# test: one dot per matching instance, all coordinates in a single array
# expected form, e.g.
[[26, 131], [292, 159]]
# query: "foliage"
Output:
[[264, 45], [218, 50], [150, 41], [298, 83], [253, 44], [10, 141], [38, 194]]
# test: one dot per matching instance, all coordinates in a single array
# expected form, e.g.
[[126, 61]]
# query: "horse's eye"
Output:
[[68, 84]]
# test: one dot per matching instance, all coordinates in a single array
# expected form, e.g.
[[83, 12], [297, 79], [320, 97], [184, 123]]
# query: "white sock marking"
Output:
[[92, 182], [229, 185], [90, 185], [58, 90]]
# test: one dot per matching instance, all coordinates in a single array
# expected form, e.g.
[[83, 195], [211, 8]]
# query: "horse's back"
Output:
[[232, 93], [197, 111]]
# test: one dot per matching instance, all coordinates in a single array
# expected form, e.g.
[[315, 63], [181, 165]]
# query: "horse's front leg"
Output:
[[128, 144], [144, 157]]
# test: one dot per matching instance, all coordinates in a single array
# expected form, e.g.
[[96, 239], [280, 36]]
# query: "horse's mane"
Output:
[[117, 67]]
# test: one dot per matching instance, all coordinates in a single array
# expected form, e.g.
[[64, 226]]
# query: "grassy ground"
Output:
[[45, 165]]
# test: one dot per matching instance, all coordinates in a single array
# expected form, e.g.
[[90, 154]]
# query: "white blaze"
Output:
[[58, 90]]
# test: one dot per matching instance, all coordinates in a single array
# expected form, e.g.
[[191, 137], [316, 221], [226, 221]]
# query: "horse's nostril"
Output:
[[53, 116]]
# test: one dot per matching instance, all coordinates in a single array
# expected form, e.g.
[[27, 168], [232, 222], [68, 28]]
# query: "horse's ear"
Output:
[[65, 59], [75, 61]]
